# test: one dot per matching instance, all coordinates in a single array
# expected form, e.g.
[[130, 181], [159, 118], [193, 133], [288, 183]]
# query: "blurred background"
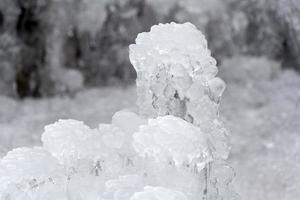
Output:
[[69, 59]]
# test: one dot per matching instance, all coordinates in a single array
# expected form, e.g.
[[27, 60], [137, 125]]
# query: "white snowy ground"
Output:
[[262, 108]]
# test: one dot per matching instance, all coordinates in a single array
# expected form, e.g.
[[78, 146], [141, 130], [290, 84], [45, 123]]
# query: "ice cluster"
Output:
[[176, 75], [175, 149]]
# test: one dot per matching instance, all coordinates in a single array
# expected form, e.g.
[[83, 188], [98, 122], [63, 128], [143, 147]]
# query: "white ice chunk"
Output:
[[71, 140], [27, 166], [175, 73], [172, 137]]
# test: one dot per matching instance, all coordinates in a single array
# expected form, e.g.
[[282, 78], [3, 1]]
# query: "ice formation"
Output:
[[174, 150], [176, 75], [173, 138]]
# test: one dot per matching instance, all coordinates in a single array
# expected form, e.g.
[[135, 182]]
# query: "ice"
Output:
[[128, 121], [176, 75], [172, 150], [23, 121], [67, 140], [84, 150], [112, 135], [173, 138], [264, 116], [216, 88], [24, 169], [87, 187], [168, 59], [26, 163], [123, 187], [158, 193]]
